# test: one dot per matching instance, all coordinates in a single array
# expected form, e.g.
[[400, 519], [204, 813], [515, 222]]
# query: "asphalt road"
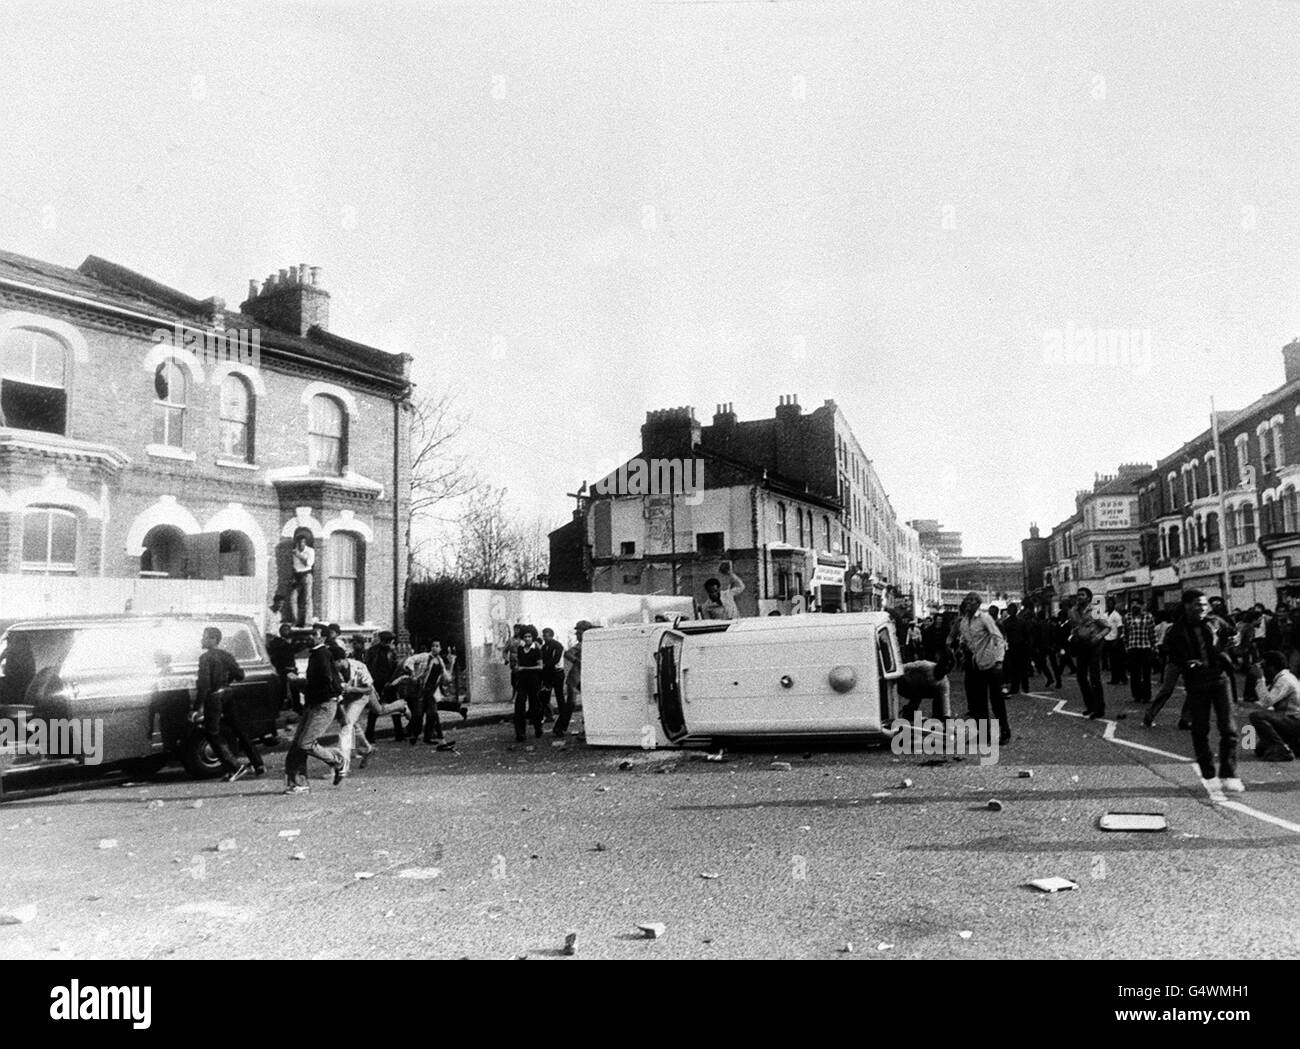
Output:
[[514, 849]]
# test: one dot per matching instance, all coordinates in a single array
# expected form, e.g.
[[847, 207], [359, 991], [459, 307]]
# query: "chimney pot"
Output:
[[315, 275], [284, 276], [252, 287], [302, 273]]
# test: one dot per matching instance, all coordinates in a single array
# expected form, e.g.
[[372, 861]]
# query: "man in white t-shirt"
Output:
[[304, 561], [720, 602], [1114, 644]]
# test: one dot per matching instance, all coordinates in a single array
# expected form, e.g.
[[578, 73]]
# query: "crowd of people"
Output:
[[340, 683], [542, 668], [1223, 658]]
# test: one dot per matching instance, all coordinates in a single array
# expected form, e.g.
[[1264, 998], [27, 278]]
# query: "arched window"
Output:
[[1212, 531], [1247, 523], [342, 589], [780, 522], [826, 533], [234, 554], [236, 419], [1175, 547], [1289, 510], [1233, 533], [171, 394], [164, 552], [326, 429], [33, 381], [49, 540]]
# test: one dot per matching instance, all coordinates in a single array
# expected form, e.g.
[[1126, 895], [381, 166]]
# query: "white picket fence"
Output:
[[25, 596]]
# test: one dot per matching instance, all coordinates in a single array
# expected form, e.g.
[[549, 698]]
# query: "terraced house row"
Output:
[[1224, 519], [163, 452]]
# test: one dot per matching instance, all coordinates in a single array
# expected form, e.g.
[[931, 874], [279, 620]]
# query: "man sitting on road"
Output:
[[1277, 728]]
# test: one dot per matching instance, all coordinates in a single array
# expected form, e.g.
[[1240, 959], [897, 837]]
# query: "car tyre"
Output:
[[198, 757]]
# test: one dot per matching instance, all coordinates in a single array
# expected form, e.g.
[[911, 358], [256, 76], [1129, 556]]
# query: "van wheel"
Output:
[[147, 768], [198, 757]]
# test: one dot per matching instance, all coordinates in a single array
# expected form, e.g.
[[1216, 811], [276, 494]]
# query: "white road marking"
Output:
[[1217, 798]]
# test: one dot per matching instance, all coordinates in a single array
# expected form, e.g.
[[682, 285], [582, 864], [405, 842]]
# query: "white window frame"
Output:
[[49, 566]]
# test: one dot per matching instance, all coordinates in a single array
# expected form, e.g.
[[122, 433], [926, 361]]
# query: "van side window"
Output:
[[236, 639], [887, 664]]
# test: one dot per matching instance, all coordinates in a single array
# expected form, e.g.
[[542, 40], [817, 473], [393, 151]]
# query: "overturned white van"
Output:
[[772, 678]]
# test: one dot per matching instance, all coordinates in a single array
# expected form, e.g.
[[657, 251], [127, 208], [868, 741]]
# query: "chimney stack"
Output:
[[1291, 359], [289, 302]]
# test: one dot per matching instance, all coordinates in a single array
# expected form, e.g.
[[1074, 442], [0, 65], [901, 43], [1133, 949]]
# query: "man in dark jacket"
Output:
[[284, 658], [1015, 628], [1192, 647], [217, 669], [321, 694], [381, 661]]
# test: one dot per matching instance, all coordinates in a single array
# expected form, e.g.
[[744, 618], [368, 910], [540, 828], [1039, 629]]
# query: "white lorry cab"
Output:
[[776, 677]]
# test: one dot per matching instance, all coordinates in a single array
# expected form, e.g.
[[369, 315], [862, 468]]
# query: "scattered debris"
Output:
[[420, 873], [107, 843], [847, 949], [1186, 835], [599, 790], [1074, 779], [994, 805], [1133, 821], [157, 803], [905, 784], [559, 744], [1025, 774], [298, 856], [363, 875], [805, 828], [710, 877], [289, 833], [570, 945], [882, 946], [965, 934], [882, 794], [600, 847], [225, 845], [18, 915], [719, 756], [781, 766], [197, 803], [1050, 885], [652, 930]]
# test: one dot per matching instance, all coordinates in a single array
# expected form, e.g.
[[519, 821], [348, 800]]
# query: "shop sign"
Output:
[[1113, 513]]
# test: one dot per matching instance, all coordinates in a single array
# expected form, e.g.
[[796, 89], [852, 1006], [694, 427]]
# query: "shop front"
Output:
[[789, 570], [828, 582], [1134, 583], [1284, 571], [1250, 576]]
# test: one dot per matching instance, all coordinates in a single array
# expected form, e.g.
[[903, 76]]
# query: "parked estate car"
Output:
[[137, 677], [773, 678]]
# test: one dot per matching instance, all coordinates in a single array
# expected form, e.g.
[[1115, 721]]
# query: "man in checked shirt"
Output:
[[1139, 638]]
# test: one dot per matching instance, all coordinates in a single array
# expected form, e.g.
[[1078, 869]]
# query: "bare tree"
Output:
[[439, 472], [495, 549]]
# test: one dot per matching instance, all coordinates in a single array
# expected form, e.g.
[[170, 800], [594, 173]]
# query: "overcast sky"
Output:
[[571, 214]]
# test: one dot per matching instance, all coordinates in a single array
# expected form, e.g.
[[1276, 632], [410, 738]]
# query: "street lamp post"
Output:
[[1223, 513]]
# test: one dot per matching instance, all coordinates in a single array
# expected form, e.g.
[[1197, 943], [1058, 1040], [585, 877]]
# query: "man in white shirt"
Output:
[[304, 561], [720, 603], [358, 688], [977, 632], [1115, 655], [1277, 728]]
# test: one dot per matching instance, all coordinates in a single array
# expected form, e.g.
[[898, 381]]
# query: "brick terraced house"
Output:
[[163, 452]]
